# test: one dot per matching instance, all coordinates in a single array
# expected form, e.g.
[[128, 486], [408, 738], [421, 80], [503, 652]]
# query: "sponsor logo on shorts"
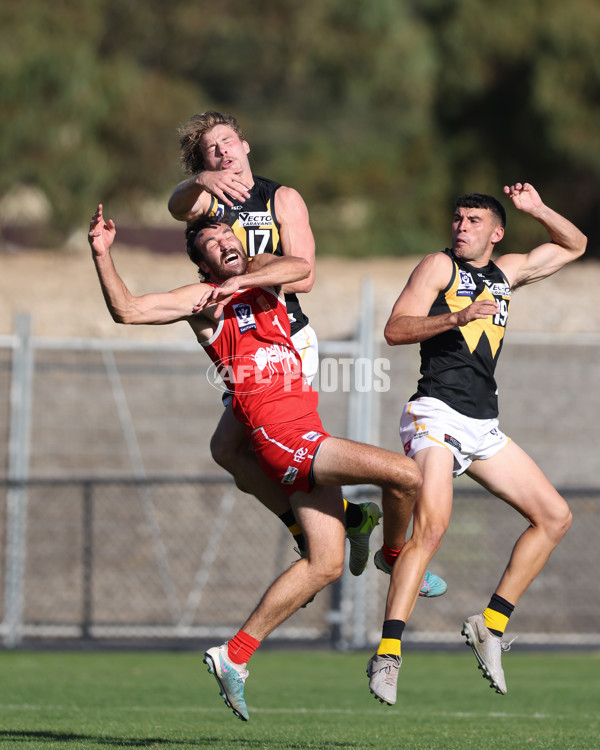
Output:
[[466, 285], [290, 475], [312, 436], [300, 455], [244, 317], [421, 433], [452, 441], [255, 219]]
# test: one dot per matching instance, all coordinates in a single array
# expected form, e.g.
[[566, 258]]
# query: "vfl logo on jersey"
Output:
[[290, 475], [466, 285], [219, 211], [255, 219], [244, 317], [498, 289]]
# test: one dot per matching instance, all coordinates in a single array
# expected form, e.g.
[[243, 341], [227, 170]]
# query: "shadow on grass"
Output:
[[66, 737], [24, 736]]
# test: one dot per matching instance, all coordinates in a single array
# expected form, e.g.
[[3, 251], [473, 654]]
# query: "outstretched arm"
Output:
[[410, 322], [154, 309], [263, 270], [566, 241], [192, 197]]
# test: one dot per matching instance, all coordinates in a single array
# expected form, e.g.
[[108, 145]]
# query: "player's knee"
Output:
[[217, 451], [414, 478], [333, 571], [408, 478], [222, 452], [563, 522], [557, 521], [328, 569]]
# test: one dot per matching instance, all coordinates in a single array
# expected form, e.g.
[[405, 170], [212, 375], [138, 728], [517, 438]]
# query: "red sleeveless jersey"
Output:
[[253, 353]]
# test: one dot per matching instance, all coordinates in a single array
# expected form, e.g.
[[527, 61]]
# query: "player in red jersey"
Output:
[[269, 218], [239, 314]]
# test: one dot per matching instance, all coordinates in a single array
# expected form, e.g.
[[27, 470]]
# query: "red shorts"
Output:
[[286, 451]]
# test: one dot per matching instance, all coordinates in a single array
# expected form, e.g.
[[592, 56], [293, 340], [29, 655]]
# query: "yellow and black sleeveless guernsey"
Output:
[[257, 228], [457, 366]]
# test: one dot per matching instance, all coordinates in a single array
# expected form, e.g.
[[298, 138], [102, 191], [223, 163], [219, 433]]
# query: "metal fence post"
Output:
[[353, 603], [18, 471], [88, 561]]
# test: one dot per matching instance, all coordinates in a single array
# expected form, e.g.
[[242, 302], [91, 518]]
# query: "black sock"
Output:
[[354, 515]]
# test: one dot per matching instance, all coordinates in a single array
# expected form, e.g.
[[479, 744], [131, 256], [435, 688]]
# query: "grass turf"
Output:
[[296, 699]]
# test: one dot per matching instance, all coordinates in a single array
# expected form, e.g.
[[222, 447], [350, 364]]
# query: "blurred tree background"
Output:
[[379, 113]]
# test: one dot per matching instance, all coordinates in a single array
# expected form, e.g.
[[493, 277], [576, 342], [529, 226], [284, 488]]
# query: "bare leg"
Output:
[[431, 518], [515, 478], [342, 462], [320, 515]]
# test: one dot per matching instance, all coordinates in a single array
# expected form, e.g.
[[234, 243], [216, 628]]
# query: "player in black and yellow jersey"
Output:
[[456, 305], [269, 218]]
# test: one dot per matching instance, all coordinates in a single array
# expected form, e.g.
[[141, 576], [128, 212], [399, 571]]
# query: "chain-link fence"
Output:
[[116, 524], [187, 559]]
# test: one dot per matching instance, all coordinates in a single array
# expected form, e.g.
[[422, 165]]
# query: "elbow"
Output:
[[390, 339], [172, 206], [305, 283], [120, 319], [179, 215], [582, 246], [391, 336], [395, 337], [123, 317], [179, 211]]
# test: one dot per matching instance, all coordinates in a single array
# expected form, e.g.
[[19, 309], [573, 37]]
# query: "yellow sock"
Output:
[[495, 620], [390, 646]]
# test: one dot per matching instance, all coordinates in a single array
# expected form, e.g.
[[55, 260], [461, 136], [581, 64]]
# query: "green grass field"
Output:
[[296, 699]]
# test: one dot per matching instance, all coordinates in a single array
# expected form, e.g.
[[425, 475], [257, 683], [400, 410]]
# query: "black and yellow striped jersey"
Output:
[[257, 228], [457, 366]]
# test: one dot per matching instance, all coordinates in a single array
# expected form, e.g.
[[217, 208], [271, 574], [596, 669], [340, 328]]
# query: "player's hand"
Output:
[[524, 197], [219, 296], [102, 233], [477, 310], [224, 185]]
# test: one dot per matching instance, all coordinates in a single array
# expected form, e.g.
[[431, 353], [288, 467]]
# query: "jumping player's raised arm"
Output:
[[124, 307], [567, 242]]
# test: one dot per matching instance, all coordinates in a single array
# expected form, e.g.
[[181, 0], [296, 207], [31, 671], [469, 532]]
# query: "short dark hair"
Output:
[[193, 230], [481, 200]]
